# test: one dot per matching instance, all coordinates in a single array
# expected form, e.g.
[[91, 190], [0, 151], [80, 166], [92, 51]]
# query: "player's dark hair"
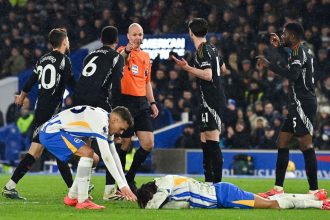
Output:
[[56, 37], [296, 29], [198, 27], [109, 35], [124, 113], [145, 193]]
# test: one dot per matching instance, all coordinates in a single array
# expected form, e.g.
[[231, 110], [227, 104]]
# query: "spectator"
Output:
[[188, 139], [238, 139], [230, 115], [14, 64], [269, 140]]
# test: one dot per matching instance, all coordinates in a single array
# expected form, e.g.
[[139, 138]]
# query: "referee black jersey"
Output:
[[300, 73], [52, 72], [212, 92], [102, 71]]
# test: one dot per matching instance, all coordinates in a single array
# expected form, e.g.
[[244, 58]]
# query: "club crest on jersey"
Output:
[[135, 69]]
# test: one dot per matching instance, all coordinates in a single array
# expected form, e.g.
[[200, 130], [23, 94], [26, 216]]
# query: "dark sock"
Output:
[[65, 171], [139, 157], [23, 167], [311, 168], [207, 164], [281, 165], [109, 180], [216, 160]]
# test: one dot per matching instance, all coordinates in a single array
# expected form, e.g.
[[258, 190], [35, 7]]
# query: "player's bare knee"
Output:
[[148, 147], [36, 150]]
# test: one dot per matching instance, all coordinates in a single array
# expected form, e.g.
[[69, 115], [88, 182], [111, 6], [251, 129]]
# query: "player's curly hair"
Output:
[[145, 193]]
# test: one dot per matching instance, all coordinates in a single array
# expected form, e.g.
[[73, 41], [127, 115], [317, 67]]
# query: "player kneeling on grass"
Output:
[[62, 136], [178, 192]]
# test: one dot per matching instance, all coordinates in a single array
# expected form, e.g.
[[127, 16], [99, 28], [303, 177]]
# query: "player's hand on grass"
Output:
[[127, 193], [274, 40]]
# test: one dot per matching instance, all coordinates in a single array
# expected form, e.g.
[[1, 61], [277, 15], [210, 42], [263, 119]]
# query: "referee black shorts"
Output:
[[300, 118], [141, 112]]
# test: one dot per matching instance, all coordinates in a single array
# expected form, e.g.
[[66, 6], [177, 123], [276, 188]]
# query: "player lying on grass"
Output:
[[178, 192], [63, 136]]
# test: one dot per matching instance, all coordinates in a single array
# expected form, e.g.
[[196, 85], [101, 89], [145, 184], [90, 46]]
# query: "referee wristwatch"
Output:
[[153, 103]]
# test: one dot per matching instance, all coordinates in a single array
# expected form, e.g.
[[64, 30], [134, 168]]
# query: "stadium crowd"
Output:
[[256, 97]]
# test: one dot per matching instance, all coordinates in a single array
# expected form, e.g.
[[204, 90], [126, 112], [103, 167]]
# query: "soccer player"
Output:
[[208, 68], [178, 192], [302, 105], [137, 96], [63, 136], [53, 73], [102, 70]]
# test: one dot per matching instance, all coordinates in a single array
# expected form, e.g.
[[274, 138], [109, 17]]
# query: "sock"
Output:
[[109, 189], [278, 188], [207, 163], [109, 180], [281, 165], [216, 160], [23, 167], [290, 203], [10, 184], [139, 157], [311, 168], [83, 177], [292, 195], [65, 171], [73, 191]]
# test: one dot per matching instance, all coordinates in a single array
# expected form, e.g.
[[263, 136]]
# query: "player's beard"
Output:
[[67, 51]]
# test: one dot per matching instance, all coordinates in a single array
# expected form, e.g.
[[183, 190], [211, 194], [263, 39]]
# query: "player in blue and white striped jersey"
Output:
[[177, 192], [65, 135]]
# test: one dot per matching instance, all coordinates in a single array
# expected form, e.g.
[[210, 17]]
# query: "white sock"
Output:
[[108, 189], [313, 191], [83, 177], [290, 203], [73, 191], [296, 196], [11, 184], [278, 188]]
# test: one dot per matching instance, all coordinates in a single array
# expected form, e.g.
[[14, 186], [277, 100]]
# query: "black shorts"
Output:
[[141, 112], [210, 118], [41, 116], [104, 104], [300, 118]]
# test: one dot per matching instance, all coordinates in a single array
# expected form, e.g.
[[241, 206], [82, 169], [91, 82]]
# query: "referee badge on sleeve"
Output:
[[135, 69]]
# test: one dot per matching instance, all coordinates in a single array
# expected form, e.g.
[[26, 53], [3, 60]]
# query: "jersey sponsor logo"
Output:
[[77, 140], [205, 63], [135, 69], [296, 62]]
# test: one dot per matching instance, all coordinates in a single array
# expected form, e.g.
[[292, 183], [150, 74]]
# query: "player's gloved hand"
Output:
[[275, 40], [127, 193]]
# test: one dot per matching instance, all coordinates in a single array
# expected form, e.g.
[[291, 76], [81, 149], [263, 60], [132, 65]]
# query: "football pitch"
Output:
[[45, 201]]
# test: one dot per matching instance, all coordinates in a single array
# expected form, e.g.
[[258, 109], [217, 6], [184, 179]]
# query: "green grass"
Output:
[[45, 201]]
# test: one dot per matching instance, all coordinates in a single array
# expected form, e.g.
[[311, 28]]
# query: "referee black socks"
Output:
[[139, 157]]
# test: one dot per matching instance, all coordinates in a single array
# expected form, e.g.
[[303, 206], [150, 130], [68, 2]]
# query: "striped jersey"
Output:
[[90, 122], [180, 188], [80, 121]]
